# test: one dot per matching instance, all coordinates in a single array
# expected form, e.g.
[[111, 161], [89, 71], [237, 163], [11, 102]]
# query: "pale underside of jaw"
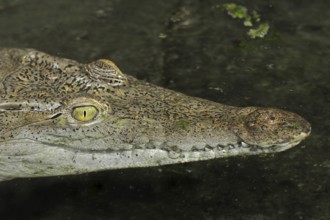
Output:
[[192, 153], [38, 159]]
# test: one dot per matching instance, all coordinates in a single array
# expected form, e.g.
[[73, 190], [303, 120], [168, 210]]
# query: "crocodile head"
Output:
[[61, 117]]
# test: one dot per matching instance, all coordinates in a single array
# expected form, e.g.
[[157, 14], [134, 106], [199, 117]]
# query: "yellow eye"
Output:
[[84, 113]]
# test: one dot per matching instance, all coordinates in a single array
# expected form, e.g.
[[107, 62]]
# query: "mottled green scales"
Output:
[[62, 117]]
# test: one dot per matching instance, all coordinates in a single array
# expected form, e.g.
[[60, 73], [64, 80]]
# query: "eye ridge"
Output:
[[84, 113]]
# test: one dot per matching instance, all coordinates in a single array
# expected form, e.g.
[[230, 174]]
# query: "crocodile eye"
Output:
[[84, 113]]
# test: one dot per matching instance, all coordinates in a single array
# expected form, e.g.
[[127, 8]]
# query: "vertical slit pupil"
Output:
[[85, 114]]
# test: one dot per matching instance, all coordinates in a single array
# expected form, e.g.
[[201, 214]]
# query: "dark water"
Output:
[[205, 53]]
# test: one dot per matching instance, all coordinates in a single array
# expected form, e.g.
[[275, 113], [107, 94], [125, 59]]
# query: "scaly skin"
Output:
[[127, 122]]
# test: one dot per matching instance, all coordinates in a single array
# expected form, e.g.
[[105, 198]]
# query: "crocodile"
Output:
[[61, 117]]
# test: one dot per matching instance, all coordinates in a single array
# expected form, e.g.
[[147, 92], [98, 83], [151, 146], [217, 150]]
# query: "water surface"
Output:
[[194, 47]]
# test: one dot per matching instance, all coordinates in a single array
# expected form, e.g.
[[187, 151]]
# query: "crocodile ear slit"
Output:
[[10, 106], [56, 115], [106, 70]]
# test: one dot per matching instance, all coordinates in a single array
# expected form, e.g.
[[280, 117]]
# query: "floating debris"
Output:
[[260, 31], [249, 19]]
